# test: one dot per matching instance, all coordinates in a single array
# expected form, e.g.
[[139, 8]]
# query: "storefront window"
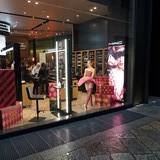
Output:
[[82, 67], [106, 41]]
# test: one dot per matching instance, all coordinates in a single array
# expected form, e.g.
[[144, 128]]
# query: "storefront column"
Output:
[[142, 43], [17, 68]]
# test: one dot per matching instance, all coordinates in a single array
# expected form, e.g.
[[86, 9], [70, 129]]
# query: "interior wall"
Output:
[[90, 35]]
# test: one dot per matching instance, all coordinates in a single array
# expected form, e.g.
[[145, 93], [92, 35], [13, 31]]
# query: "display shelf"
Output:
[[99, 57], [99, 62], [84, 61], [73, 61]]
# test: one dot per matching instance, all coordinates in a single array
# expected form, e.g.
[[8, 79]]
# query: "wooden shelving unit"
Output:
[[99, 57]]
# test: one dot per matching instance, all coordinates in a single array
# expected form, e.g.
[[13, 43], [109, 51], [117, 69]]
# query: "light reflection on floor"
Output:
[[29, 112]]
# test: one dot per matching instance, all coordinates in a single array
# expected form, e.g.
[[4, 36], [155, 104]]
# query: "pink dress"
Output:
[[90, 79]]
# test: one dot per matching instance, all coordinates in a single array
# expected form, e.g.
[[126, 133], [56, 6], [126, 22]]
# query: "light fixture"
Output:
[[91, 10], [29, 1], [77, 15], [94, 7], [25, 13], [67, 20], [2, 41], [15, 25], [57, 76], [36, 3], [66, 75], [47, 16]]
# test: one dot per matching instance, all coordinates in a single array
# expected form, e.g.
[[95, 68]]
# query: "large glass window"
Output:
[[79, 57]]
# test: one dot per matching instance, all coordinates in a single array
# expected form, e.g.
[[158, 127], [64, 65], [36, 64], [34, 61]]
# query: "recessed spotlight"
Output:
[[47, 28], [36, 3], [29, 1], [94, 7], [91, 10], [67, 20], [25, 13], [77, 15], [47, 16], [32, 17], [56, 33]]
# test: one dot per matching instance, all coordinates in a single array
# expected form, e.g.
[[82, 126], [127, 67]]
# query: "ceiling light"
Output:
[[67, 20], [94, 7], [25, 12], [15, 25], [91, 10], [47, 16], [77, 15], [36, 2], [29, 1]]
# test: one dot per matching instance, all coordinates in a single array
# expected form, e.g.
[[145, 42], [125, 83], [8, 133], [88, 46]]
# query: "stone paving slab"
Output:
[[137, 140]]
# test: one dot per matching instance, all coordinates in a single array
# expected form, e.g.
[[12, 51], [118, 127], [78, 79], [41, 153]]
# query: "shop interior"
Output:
[[61, 37]]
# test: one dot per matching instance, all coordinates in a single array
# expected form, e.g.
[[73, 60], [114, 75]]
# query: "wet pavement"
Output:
[[132, 134]]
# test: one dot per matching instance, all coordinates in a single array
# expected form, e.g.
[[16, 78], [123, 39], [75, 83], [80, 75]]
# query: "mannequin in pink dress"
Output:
[[89, 74]]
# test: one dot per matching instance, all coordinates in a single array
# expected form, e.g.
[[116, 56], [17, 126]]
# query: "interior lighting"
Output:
[[66, 73], [94, 7], [91, 10], [57, 77], [29, 1], [67, 20], [47, 16], [77, 15], [36, 3]]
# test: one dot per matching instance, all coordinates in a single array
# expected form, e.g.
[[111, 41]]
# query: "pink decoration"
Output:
[[85, 79]]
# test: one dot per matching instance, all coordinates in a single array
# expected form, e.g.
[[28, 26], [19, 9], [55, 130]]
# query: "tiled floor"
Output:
[[132, 134]]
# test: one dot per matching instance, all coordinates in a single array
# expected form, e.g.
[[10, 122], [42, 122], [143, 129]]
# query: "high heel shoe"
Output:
[[85, 107]]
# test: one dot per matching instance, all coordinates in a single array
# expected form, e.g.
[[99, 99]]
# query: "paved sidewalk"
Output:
[[125, 135]]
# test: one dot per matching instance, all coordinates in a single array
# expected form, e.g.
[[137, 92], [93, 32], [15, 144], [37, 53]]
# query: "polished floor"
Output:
[[30, 117], [132, 134]]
